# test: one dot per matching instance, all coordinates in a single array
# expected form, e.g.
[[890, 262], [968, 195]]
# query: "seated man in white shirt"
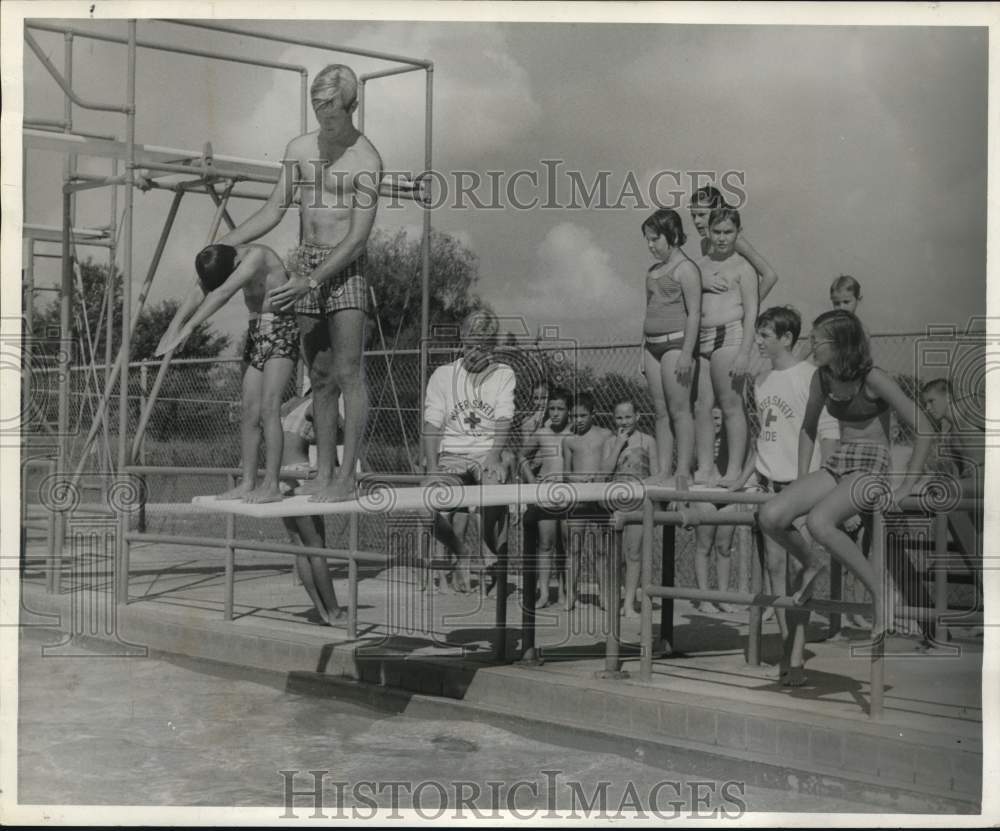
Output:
[[468, 408]]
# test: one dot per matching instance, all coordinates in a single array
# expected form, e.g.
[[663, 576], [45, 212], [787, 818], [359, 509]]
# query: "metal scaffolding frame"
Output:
[[180, 171]]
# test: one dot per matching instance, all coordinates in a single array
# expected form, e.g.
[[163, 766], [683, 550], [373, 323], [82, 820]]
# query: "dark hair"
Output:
[[845, 282], [852, 356], [722, 214], [214, 264], [561, 394], [583, 399], [707, 197], [666, 223], [783, 319], [936, 385]]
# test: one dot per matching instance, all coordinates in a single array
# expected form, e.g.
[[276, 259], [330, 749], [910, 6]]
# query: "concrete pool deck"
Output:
[[704, 707]]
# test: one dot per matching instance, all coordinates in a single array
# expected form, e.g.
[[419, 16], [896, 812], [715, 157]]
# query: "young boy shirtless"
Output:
[[272, 348], [541, 458], [583, 461]]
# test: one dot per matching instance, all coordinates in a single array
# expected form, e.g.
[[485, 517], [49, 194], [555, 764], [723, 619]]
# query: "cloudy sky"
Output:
[[862, 151]]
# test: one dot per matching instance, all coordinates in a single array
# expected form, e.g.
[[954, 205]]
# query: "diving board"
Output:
[[380, 499]]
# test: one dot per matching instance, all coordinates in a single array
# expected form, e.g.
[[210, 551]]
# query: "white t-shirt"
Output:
[[468, 405], [782, 395]]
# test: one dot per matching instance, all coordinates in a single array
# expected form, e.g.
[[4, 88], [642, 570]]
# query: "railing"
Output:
[[649, 517]]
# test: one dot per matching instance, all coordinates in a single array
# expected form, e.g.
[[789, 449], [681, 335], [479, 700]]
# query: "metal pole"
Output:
[[529, 584], [28, 336], [756, 587], [304, 102], [425, 246], [645, 579], [140, 429], [65, 378], [667, 569], [877, 681], [230, 589], [126, 321], [315, 44], [352, 577], [613, 620], [836, 593], [941, 576], [100, 415]]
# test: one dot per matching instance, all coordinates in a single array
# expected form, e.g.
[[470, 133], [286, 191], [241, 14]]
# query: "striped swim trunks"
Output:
[[858, 457], [346, 290], [716, 337]]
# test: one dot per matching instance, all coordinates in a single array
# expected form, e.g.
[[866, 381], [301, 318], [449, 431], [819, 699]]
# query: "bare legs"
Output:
[[262, 392], [333, 350], [315, 571], [672, 402], [827, 504]]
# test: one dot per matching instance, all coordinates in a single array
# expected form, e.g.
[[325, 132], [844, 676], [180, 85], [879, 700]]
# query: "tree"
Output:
[[393, 271]]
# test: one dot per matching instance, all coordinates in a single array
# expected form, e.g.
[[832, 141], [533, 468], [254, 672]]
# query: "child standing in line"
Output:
[[541, 458], [861, 397], [583, 461], [845, 293], [630, 454], [272, 349], [782, 395], [727, 327], [670, 336], [703, 202]]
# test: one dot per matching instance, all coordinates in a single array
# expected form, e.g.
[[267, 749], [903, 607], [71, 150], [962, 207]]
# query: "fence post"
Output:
[[836, 593], [668, 553]]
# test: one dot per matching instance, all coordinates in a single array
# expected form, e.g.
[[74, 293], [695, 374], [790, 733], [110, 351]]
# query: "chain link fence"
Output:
[[195, 421]]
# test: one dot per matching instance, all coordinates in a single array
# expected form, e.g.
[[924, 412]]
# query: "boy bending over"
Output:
[[272, 348]]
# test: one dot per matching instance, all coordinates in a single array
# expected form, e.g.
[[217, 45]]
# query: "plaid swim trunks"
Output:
[[271, 336], [346, 290], [858, 457]]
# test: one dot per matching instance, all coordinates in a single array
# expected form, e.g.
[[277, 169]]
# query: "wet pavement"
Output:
[[100, 730]]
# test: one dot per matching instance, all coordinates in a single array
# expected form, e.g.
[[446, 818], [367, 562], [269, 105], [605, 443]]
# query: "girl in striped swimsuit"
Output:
[[673, 314]]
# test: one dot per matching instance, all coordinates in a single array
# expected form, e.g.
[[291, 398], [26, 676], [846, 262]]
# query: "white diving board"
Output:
[[619, 496]]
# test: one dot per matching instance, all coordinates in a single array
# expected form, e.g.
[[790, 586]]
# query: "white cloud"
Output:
[[575, 282]]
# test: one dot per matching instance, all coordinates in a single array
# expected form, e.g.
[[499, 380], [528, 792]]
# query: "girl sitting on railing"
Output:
[[856, 477]]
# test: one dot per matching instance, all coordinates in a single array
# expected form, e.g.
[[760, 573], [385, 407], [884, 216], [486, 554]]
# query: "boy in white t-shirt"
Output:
[[781, 394], [468, 408]]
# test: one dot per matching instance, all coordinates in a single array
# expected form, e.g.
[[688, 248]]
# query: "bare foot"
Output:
[[768, 614], [859, 622], [265, 493], [730, 609], [239, 492], [807, 584], [794, 677], [339, 490], [729, 482], [337, 613]]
